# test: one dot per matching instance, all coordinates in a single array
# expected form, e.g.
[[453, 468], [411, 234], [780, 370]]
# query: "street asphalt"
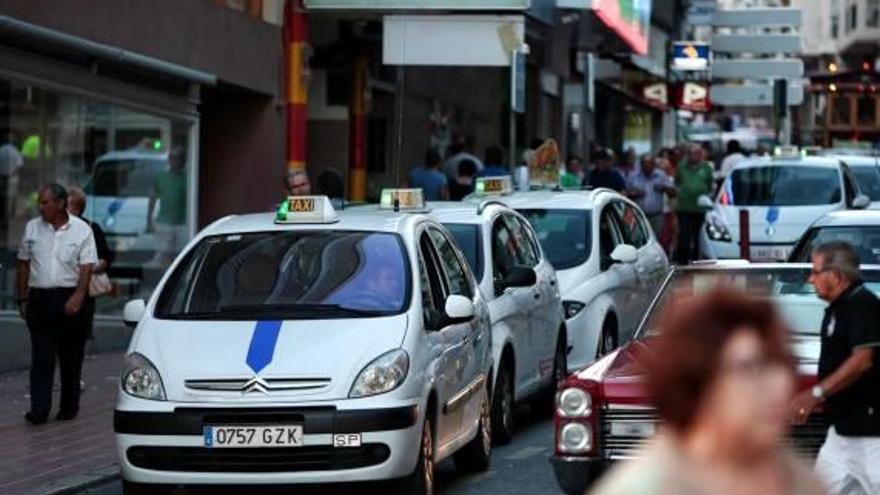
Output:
[[520, 467]]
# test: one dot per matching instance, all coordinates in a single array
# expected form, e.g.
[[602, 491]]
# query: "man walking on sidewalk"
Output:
[[54, 267], [848, 374]]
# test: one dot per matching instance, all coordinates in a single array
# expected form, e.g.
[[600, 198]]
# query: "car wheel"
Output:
[[607, 341], [503, 407], [477, 454], [546, 405], [131, 488], [421, 481]]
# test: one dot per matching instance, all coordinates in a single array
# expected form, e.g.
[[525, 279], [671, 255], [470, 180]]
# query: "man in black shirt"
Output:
[[849, 381], [603, 173]]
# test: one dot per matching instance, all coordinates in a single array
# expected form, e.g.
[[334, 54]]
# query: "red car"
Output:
[[602, 412]]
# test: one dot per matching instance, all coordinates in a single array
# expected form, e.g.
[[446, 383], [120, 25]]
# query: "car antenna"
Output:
[[396, 204]]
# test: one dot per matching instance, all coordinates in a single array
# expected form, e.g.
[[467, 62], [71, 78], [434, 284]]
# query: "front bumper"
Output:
[[168, 447], [575, 475]]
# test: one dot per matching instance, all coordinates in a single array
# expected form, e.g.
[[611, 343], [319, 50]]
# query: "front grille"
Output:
[[806, 440], [257, 384], [257, 460]]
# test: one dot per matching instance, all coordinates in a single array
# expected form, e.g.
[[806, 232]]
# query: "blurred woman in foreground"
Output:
[[722, 378]]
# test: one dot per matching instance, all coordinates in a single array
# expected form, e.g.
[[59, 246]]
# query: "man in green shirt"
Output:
[[169, 190], [574, 173], [693, 178]]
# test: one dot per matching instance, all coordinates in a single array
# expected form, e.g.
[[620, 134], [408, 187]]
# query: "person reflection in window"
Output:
[[169, 191]]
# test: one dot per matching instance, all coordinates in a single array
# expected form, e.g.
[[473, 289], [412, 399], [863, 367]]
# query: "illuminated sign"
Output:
[[493, 185], [419, 4], [630, 19], [402, 199], [306, 209], [690, 55]]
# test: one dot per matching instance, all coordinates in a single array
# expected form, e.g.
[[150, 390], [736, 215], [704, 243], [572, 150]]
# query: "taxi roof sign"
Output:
[[486, 186], [306, 209], [787, 151], [402, 200]]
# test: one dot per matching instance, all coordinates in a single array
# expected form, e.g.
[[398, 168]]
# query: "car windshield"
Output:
[[289, 275], [468, 239], [865, 239], [869, 180], [125, 178], [787, 287], [564, 235], [782, 185]]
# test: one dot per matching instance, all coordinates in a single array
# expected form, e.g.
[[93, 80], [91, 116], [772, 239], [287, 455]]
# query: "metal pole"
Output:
[[512, 136]]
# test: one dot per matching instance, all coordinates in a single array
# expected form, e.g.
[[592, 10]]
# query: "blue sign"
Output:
[[518, 82], [690, 55]]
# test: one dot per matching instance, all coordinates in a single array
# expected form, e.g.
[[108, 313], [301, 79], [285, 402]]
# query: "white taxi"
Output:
[[783, 196], [528, 329], [607, 260], [313, 346]]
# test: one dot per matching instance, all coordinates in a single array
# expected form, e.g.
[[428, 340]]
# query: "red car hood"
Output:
[[621, 378]]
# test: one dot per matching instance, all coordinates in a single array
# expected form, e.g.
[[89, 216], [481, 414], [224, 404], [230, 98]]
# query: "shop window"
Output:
[[841, 112], [866, 109], [132, 165]]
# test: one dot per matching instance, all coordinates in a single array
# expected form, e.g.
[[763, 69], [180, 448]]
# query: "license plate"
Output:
[[253, 436], [633, 428], [768, 254]]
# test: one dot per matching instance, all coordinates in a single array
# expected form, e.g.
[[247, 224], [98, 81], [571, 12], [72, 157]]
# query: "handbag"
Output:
[[100, 285]]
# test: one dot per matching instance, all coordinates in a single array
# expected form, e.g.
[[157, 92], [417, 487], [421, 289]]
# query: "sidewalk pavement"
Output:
[[59, 456]]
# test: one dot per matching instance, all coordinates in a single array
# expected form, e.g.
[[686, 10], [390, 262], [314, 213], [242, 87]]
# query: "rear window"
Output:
[[468, 239], [564, 235], [289, 275], [782, 185], [865, 240], [125, 178], [869, 181]]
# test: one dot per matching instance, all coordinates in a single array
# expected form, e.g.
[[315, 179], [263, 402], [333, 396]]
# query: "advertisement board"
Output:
[[419, 4], [630, 19], [690, 55]]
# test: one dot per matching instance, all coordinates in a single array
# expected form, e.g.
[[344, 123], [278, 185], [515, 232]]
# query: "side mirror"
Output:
[[705, 202], [458, 309], [133, 312], [861, 202], [624, 253], [519, 276]]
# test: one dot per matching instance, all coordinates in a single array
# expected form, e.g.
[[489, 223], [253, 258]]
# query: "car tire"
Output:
[[546, 405], [422, 479], [132, 488], [503, 406], [607, 341], [476, 456]]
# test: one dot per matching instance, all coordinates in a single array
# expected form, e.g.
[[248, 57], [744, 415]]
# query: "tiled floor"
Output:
[[34, 456]]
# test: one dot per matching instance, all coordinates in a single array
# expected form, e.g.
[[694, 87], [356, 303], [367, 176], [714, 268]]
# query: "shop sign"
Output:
[[656, 94], [693, 97], [419, 4], [690, 55]]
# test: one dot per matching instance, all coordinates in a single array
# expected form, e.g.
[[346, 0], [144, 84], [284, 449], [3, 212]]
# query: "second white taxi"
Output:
[[528, 329]]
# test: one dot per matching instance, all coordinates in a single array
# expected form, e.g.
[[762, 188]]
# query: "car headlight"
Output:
[[572, 308], [716, 230], [574, 403], [384, 374], [575, 438], [141, 379]]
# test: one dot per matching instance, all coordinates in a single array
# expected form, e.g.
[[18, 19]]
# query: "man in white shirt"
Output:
[[734, 156], [55, 263]]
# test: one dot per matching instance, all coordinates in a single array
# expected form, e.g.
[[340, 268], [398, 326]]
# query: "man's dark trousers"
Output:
[[55, 334], [689, 225]]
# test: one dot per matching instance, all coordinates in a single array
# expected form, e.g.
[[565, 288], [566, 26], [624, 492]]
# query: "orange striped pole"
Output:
[[357, 140], [297, 86]]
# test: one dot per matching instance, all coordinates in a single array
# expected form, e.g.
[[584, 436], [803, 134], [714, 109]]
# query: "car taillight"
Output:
[[576, 420]]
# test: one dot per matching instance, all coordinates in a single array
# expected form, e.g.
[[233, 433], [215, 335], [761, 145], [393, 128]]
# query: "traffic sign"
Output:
[[690, 55], [753, 94], [790, 68], [518, 81]]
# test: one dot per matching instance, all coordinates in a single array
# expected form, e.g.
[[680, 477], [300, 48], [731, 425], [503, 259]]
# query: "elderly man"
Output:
[[55, 264], [647, 187], [848, 374], [694, 178]]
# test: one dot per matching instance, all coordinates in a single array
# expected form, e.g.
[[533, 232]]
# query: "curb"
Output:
[[80, 482]]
